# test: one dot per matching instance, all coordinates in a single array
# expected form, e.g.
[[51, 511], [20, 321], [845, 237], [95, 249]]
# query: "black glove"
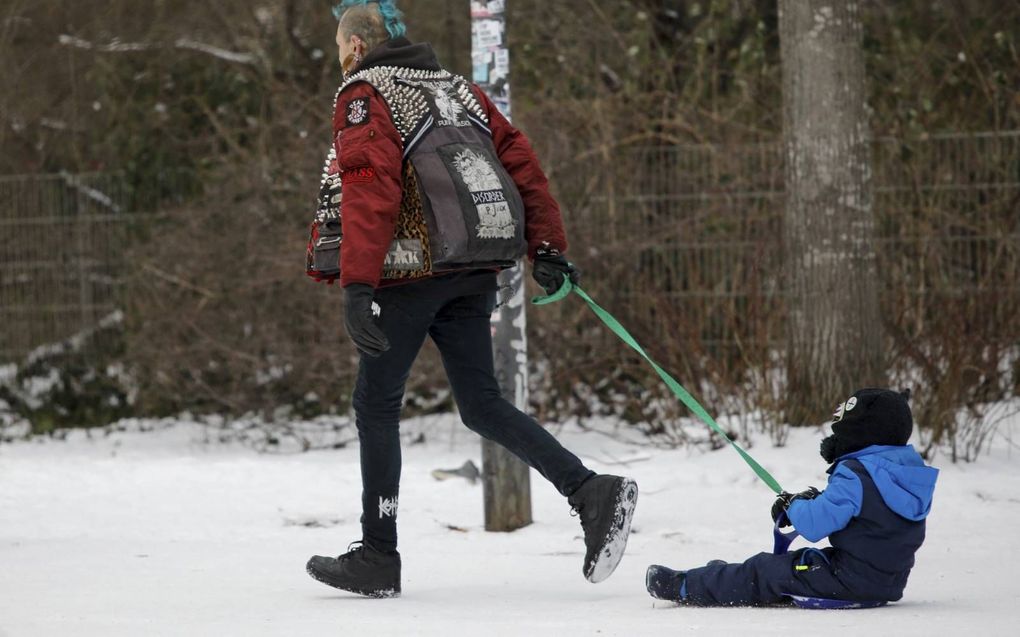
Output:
[[549, 268], [784, 499], [360, 320]]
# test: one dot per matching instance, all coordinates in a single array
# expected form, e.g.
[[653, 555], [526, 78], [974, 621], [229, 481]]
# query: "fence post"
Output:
[[81, 242]]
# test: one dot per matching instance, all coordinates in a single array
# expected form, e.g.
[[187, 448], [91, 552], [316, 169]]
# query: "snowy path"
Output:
[[160, 534]]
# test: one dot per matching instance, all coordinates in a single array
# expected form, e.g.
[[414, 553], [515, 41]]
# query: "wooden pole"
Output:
[[505, 479]]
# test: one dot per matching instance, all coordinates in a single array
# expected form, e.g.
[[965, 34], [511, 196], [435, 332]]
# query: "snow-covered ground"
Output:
[[161, 533]]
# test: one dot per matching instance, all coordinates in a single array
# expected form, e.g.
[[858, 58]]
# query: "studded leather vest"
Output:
[[460, 208]]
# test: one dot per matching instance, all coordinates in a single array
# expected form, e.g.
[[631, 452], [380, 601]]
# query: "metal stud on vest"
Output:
[[465, 208]]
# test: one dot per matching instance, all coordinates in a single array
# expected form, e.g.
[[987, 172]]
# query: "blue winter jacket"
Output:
[[873, 513]]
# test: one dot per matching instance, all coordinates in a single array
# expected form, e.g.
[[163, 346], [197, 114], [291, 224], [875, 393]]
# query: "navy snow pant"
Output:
[[459, 325], [765, 578]]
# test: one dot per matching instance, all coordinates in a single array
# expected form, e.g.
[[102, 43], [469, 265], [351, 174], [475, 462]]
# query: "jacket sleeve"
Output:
[[543, 224], [832, 510], [370, 158]]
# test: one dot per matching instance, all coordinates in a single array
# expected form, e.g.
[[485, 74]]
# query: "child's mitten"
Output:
[[784, 499]]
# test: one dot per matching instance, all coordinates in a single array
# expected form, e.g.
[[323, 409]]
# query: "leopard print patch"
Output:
[[411, 226]]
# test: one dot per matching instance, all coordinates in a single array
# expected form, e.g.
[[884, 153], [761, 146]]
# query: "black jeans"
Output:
[[459, 326]]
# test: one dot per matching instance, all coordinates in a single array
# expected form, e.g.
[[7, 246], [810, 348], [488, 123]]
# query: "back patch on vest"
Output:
[[476, 176], [443, 102]]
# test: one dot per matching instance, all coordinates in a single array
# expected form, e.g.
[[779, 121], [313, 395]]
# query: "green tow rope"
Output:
[[678, 389]]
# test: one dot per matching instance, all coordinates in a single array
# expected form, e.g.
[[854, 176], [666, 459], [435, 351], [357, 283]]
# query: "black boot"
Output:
[[605, 505], [665, 583], [362, 570]]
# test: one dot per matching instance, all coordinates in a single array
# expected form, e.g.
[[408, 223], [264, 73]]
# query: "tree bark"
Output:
[[834, 332]]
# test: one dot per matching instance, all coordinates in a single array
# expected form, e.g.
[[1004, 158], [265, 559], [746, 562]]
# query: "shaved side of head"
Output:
[[367, 23]]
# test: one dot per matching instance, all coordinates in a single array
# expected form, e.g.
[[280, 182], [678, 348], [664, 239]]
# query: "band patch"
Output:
[[359, 175], [357, 111], [405, 255], [387, 507], [495, 221]]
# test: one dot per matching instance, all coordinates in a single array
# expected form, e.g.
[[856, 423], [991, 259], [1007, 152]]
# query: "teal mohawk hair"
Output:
[[391, 15]]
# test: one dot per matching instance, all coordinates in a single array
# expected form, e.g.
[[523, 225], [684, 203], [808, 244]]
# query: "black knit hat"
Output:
[[869, 417]]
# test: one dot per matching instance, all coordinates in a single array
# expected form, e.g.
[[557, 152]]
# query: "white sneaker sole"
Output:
[[616, 542]]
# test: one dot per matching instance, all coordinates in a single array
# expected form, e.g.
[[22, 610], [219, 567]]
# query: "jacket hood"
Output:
[[905, 483], [401, 52]]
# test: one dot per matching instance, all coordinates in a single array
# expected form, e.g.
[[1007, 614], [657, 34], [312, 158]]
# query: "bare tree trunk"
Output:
[[834, 337]]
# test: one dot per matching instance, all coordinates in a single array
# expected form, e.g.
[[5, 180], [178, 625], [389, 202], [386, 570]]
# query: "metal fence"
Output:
[[696, 228], [59, 240], [63, 239]]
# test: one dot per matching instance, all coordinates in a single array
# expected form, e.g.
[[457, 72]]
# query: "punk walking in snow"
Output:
[[428, 192], [872, 511]]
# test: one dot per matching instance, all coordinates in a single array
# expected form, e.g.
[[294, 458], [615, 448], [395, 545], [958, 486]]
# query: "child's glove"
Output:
[[784, 499]]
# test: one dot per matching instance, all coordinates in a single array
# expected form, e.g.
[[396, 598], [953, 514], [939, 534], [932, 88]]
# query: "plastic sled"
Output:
[[821, 603]]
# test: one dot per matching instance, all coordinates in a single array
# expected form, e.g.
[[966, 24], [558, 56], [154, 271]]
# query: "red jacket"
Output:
[[370, 158]]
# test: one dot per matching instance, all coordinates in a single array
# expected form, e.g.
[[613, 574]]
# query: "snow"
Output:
[[167, 532], [116, 46], [74, 343], [96, 196], [215, 51]]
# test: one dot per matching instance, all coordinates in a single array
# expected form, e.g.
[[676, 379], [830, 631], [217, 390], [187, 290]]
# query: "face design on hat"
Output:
[[869, 417], [843, 407]]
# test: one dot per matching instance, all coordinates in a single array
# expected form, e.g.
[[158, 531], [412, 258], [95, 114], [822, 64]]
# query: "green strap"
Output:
[[678, 389]]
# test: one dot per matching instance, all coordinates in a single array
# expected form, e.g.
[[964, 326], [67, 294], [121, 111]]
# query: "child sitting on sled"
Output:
[[872, 510]]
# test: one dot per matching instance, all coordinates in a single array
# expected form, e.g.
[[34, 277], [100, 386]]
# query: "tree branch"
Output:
[[185, 44]]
